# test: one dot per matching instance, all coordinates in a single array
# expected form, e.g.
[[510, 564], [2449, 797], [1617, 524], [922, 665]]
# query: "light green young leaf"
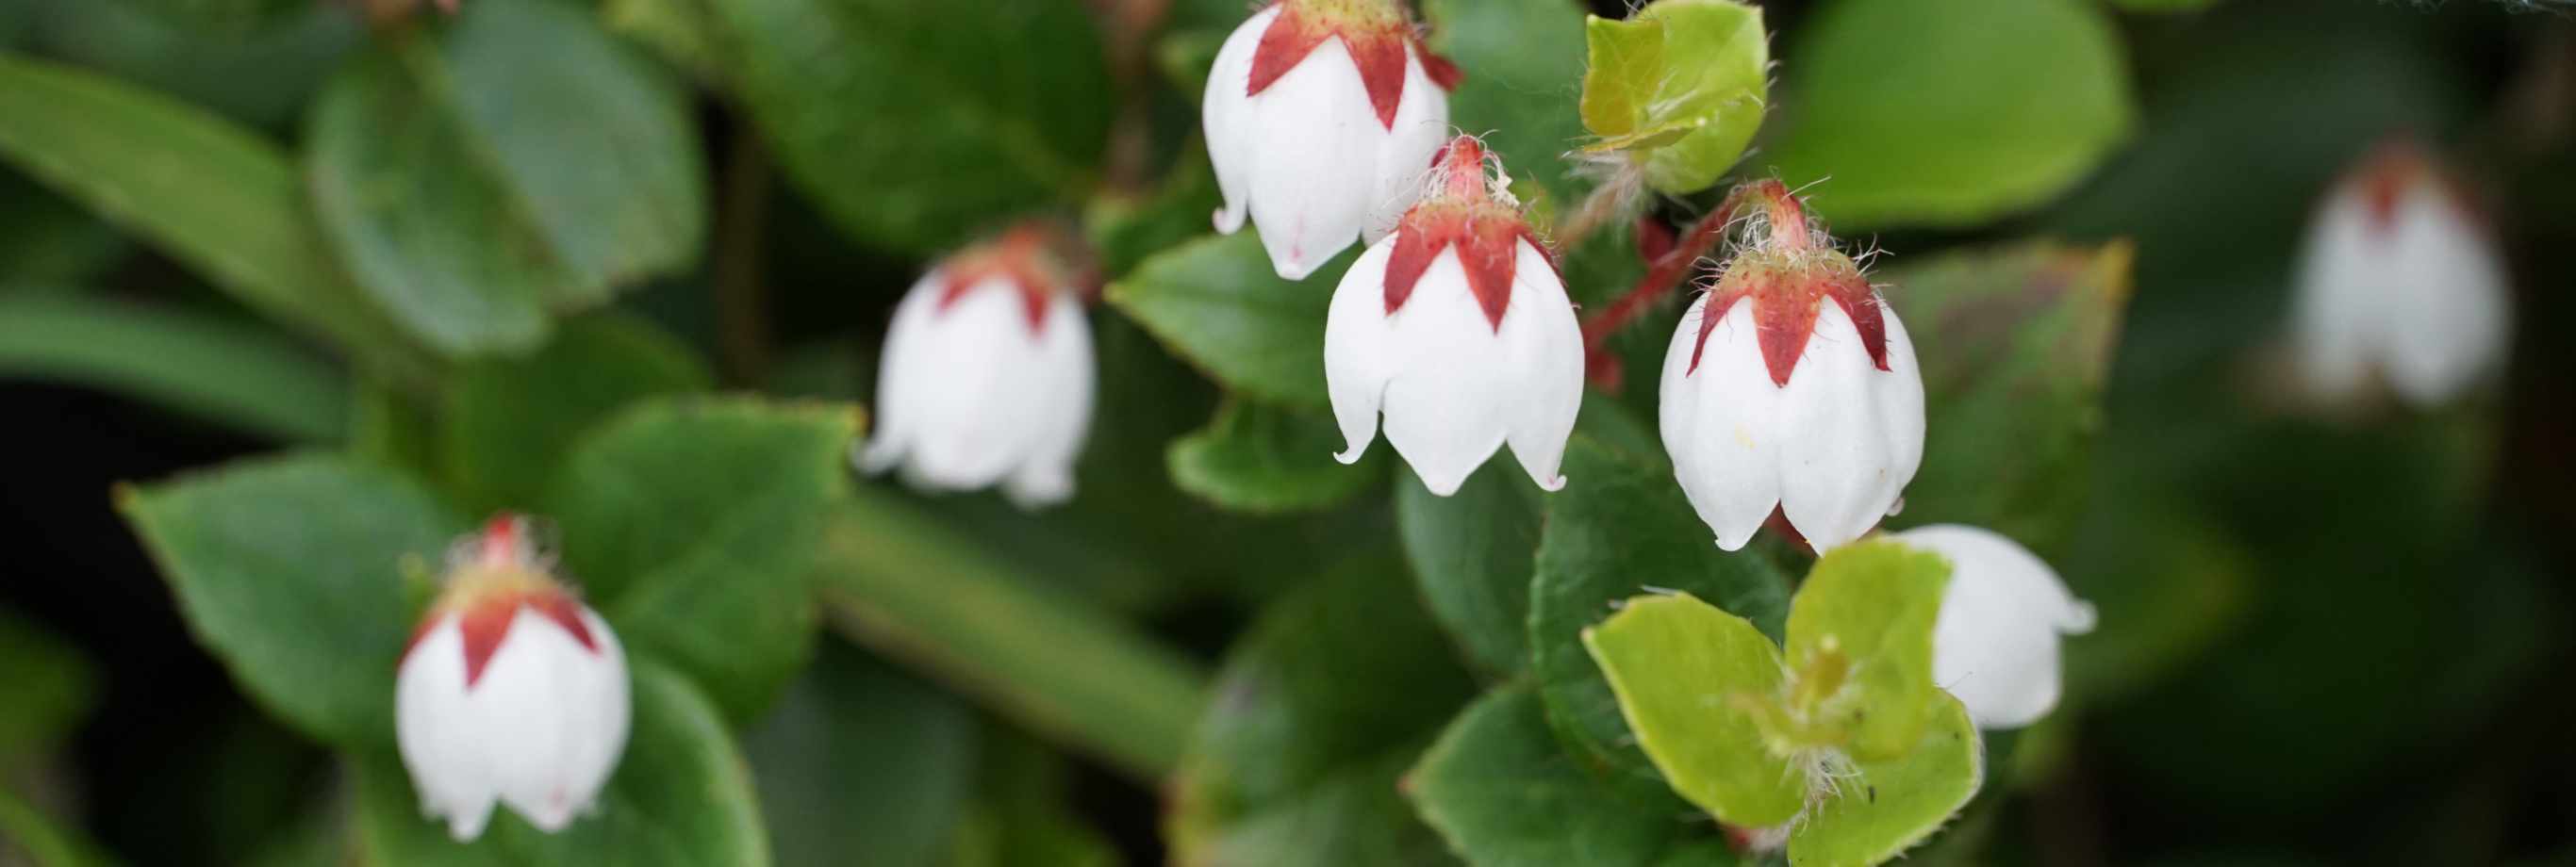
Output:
[[1688, 678], [1888, 806], [1682, 85], [681, 797], [915, 126], [1262, 459], [2016, 344], [1217, 303], [1860, 646], [2003, 104], [693, 524], [507, 422], [1503, 793], [228, 372], [862, 764], [210, 194], [1621, 528], [1323, 705], [289, 570]]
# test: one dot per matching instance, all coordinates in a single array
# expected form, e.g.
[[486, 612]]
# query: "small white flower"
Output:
[[1321, 116], [987, 377], [1792, 388], [1458, 327], [2401, 282], [1995, 645], [511, 691]]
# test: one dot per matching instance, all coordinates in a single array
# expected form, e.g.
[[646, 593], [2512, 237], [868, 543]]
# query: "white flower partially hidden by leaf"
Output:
[[1995, 645], [1320, 117], [511, 691], [1457, 327], [987, 376], [1791, 388], [2400, 282]]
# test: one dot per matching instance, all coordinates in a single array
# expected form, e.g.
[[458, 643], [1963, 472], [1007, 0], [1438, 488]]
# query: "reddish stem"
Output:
[[1665, 272]]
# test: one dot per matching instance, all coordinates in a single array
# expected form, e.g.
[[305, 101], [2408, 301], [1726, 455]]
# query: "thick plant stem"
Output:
[[1667, 268], [905, 585]]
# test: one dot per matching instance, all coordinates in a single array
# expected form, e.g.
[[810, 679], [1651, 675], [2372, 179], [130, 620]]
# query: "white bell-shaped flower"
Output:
[[1321, 116], [1995, 644], [1791, 388], [512, 691], [2401, 283], [987, 377], [1457, 327]]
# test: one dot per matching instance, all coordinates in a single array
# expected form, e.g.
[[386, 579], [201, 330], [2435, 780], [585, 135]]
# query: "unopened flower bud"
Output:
[[1791, 387], [2401, 282], [1995, 645], [987, 376], [1320, 116], [1457, 327], [511, 691]]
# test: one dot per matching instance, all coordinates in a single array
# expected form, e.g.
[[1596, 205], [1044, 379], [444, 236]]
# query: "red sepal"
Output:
[[486, 621], [1018, 257], [1785, 306], [1377, 51], [1488, 250]]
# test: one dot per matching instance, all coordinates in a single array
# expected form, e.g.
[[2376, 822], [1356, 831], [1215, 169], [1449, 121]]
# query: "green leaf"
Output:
[[1689, 678], [217, 369], [509, 421], [1261, 459], [1128, 230], [918, 590], [1218, 304], [261, 77], [914, 125], [289, 570], [1889, 806], [1682, 86], [681, 31], [2164, 6], [1924, 112], [1523, 61], [1023, 814], [26, 833], [693, 525], [46, 684], [1620, 528], [2016, 344], [861, 764], [1860, 646], [680, 796], [223, 17], [210, 194], [47, 244], [526, 162], [1472, 555], [1321, 707], [1501, 791]]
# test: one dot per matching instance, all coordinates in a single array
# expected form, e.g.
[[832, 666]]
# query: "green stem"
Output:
[[906, 586]]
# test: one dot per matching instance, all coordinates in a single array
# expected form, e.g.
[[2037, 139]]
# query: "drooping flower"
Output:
[[1995, 644], [1320, 116], [987, 375], [2401, 282], [1791, 388], [511, 691], [1457, 327]]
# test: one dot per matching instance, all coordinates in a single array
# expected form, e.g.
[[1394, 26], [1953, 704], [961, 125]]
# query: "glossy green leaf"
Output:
[[862, 764], [1887, 807], [2016, 345], [681, 797], [290, 571], [1682, 85], [915, 126], [918, 590], [212, 367], [681, 31], [1128, 230], [1860, 646], [211, 194], [223, 17], [693, 524], [1262, 459], [507, 422], [46, 684], [1321, 707], [525, 162], [1990, 119], [1472, 554], [1217, 303], [1621, 528], [1689, 678], [48, 245], [1523, 65], [260, 76], [1503, 793]]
